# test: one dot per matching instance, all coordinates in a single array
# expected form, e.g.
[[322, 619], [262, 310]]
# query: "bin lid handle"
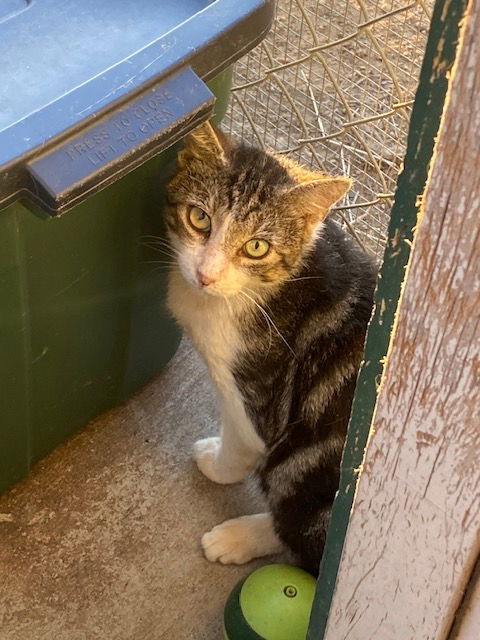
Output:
[[119, 141]]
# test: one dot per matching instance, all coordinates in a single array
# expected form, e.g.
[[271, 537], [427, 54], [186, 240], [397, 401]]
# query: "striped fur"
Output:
[[282, 335]]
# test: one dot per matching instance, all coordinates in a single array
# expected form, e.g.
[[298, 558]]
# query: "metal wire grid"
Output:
[[332, 85]]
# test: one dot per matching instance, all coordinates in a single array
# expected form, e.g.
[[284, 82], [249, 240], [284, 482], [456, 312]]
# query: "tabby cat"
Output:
[[276, 298]]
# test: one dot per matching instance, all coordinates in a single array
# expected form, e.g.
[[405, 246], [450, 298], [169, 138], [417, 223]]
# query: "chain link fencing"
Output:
[[332, 85]]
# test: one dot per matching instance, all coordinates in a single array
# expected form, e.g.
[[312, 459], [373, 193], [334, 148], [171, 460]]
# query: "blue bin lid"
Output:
[[70, 67]]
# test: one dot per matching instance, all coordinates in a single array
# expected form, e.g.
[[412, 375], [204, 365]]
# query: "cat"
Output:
[[276, 297]]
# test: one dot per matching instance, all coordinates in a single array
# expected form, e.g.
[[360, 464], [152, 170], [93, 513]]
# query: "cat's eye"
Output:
[[256, 248], [199, 219]]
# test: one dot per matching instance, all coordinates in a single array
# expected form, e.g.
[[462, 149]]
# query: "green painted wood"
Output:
[[426, 115]]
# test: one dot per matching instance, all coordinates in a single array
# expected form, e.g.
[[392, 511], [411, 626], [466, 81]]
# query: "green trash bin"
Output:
[[94, 95]]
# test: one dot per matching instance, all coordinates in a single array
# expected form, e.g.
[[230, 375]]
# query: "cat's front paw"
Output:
[[242, 539], [230, 543], [207, 453]]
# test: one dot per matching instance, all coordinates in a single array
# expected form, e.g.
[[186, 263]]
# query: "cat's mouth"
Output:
[[206, 289], [216, 291], [218, 288]]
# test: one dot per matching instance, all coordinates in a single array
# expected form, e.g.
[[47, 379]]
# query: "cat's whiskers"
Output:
[[269, 318], [268, 321], [163, 252], [159, 239], [229, 306], [160, 245], [305, 278], [164, 267], [170, 263], [259, 298]]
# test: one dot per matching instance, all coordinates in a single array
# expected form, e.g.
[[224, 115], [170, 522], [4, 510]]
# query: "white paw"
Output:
[[206, 454], [229, 543], [240, 540]]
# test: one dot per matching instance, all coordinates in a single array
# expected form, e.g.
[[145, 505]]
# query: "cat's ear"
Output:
[[206, 142], [316, 197]]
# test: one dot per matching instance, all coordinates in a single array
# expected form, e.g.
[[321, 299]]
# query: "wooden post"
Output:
[[440, 55], [413, 536]]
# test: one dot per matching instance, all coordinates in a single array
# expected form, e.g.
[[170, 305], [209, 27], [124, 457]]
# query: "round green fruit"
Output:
[[272, 603]]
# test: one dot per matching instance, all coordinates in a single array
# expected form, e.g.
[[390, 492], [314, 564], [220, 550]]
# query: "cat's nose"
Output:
[[204, 280]]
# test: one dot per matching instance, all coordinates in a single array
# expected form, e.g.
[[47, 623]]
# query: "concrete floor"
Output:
[[102, 539]]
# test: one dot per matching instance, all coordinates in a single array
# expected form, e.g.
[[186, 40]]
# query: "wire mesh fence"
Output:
[[332, 85]]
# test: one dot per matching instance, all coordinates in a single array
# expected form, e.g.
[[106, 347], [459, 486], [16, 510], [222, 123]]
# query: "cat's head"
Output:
[[240, 218]]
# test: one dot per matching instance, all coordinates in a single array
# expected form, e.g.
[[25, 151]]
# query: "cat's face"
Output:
[[238, 217]]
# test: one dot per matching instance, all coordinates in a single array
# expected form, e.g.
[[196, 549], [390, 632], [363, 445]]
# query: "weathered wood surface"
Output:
[[414, 531]]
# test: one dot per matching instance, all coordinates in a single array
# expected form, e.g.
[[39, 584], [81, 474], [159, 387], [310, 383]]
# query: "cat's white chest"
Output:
[[212, 328], [209, 324]]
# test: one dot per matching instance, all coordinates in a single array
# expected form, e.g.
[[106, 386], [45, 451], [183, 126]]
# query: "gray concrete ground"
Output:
[[102, 539]]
